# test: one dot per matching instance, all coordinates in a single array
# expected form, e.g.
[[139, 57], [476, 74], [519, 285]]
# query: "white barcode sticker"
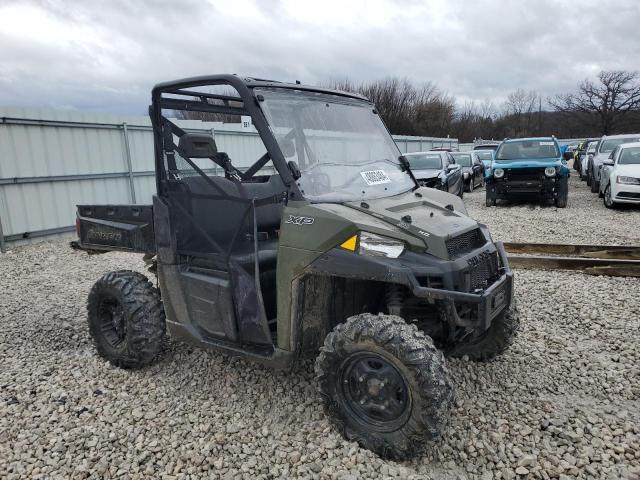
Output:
[[375, 177], [542, 144]]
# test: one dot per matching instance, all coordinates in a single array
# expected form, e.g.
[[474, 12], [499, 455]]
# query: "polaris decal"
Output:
[[299, 220]]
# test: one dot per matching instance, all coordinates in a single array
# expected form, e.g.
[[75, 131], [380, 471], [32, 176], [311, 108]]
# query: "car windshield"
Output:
[[592, 146], [630, 156], [484, 154], [485, 147], [463, 159], [425, 161], [610, 143], [342, 148], [527, 150]]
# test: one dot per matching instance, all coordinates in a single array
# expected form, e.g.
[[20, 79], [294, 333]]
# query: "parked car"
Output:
[[620, 176], [485, 157], [487, 146], [531, 167], [568, 151], [583, 161], [607, 144], [472, 170], [437, 170]]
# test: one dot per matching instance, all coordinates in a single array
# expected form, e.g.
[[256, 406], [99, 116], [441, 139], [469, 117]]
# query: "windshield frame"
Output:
[[306, 145]]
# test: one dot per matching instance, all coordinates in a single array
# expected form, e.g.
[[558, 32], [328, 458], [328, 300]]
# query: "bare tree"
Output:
[[520, 107], [604, 103]]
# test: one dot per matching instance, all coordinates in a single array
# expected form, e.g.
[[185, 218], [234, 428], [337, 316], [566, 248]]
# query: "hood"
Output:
[[428, 173], [539, 162], [432, 223], [627, 170]]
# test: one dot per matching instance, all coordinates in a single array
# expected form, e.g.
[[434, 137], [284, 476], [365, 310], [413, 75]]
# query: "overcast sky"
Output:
[[106, 55]]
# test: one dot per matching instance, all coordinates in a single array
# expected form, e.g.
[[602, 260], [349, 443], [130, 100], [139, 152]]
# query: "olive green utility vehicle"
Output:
[[325, 247]]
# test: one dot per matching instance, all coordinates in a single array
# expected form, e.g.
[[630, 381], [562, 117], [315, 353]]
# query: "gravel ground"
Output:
[[585, 220], [563, 403]]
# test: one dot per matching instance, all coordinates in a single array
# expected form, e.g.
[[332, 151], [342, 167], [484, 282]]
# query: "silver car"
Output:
[[589, 152], [605, 147]]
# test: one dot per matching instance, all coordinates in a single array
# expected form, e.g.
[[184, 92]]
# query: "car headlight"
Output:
[[550, 171], [628, 180], [373, 245], [466, 175], [498, 173]]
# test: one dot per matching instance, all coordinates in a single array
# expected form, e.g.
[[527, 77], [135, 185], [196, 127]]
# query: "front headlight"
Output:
[[378, 246], [550, 171], [466, 175], [628, 180], [498, 173]]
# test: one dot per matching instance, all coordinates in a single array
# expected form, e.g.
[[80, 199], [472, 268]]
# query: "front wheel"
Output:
[[608, 199], [384, 384], [563, 194], [126, 319], [490, 200]]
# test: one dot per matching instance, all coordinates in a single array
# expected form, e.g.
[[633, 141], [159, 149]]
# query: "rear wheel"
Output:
[[126, 319], [384, 384], [595, 185], [495, 341]]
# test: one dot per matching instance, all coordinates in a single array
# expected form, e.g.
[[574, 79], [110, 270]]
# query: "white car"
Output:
[[620, 176], [605, 147], [584, 161]]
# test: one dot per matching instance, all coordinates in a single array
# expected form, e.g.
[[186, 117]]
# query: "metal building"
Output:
[[51, 161]]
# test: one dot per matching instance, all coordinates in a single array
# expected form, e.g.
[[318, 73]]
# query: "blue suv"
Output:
[[528, 167]]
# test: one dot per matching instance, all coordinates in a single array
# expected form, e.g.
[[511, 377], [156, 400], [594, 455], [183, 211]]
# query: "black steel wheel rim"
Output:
[[374, 390], [111, 321]]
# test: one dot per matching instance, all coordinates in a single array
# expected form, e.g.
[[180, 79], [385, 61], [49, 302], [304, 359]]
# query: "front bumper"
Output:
[[417, 271], [505, 188], [625, 193]]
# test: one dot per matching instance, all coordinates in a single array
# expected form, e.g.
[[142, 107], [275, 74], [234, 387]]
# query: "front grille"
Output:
[[483, 270], [524, 174], [458, 246], [628, 195]]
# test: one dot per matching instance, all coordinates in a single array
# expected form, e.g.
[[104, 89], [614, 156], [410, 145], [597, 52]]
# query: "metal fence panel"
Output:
[[50, 161]]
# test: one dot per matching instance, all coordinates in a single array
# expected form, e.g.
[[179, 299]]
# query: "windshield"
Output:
[[527, 150], [463, 159], [592, 146], [484, 154], [341, 146], [425, 161], [610, 143], [485, 147], [630, 156]]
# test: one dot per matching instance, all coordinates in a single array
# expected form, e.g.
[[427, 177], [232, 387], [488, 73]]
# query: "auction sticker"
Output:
[[375, 177], [548, 144]]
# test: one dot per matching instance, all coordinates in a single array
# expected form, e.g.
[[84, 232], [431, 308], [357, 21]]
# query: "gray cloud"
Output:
[[107, 55]]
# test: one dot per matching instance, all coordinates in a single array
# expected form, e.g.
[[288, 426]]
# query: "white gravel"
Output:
[[563, 403]]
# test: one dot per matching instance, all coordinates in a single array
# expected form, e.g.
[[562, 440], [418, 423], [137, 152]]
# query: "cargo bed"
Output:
[[116, 227]]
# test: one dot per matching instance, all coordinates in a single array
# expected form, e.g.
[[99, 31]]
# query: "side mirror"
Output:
[[451, 167], [197, 145], [294, 169], [404, 163], [608, 161]]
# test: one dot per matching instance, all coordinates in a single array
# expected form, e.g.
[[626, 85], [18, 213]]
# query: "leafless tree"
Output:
[[520, 107], [604, 103]]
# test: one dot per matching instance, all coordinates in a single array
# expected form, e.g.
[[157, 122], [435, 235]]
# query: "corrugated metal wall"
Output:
[[50, 161]]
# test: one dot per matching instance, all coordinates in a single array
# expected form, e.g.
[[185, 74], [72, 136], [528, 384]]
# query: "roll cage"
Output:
[[176, 95]]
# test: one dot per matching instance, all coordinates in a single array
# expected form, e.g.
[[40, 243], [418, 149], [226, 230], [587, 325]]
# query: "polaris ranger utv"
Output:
[[325, 246]]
